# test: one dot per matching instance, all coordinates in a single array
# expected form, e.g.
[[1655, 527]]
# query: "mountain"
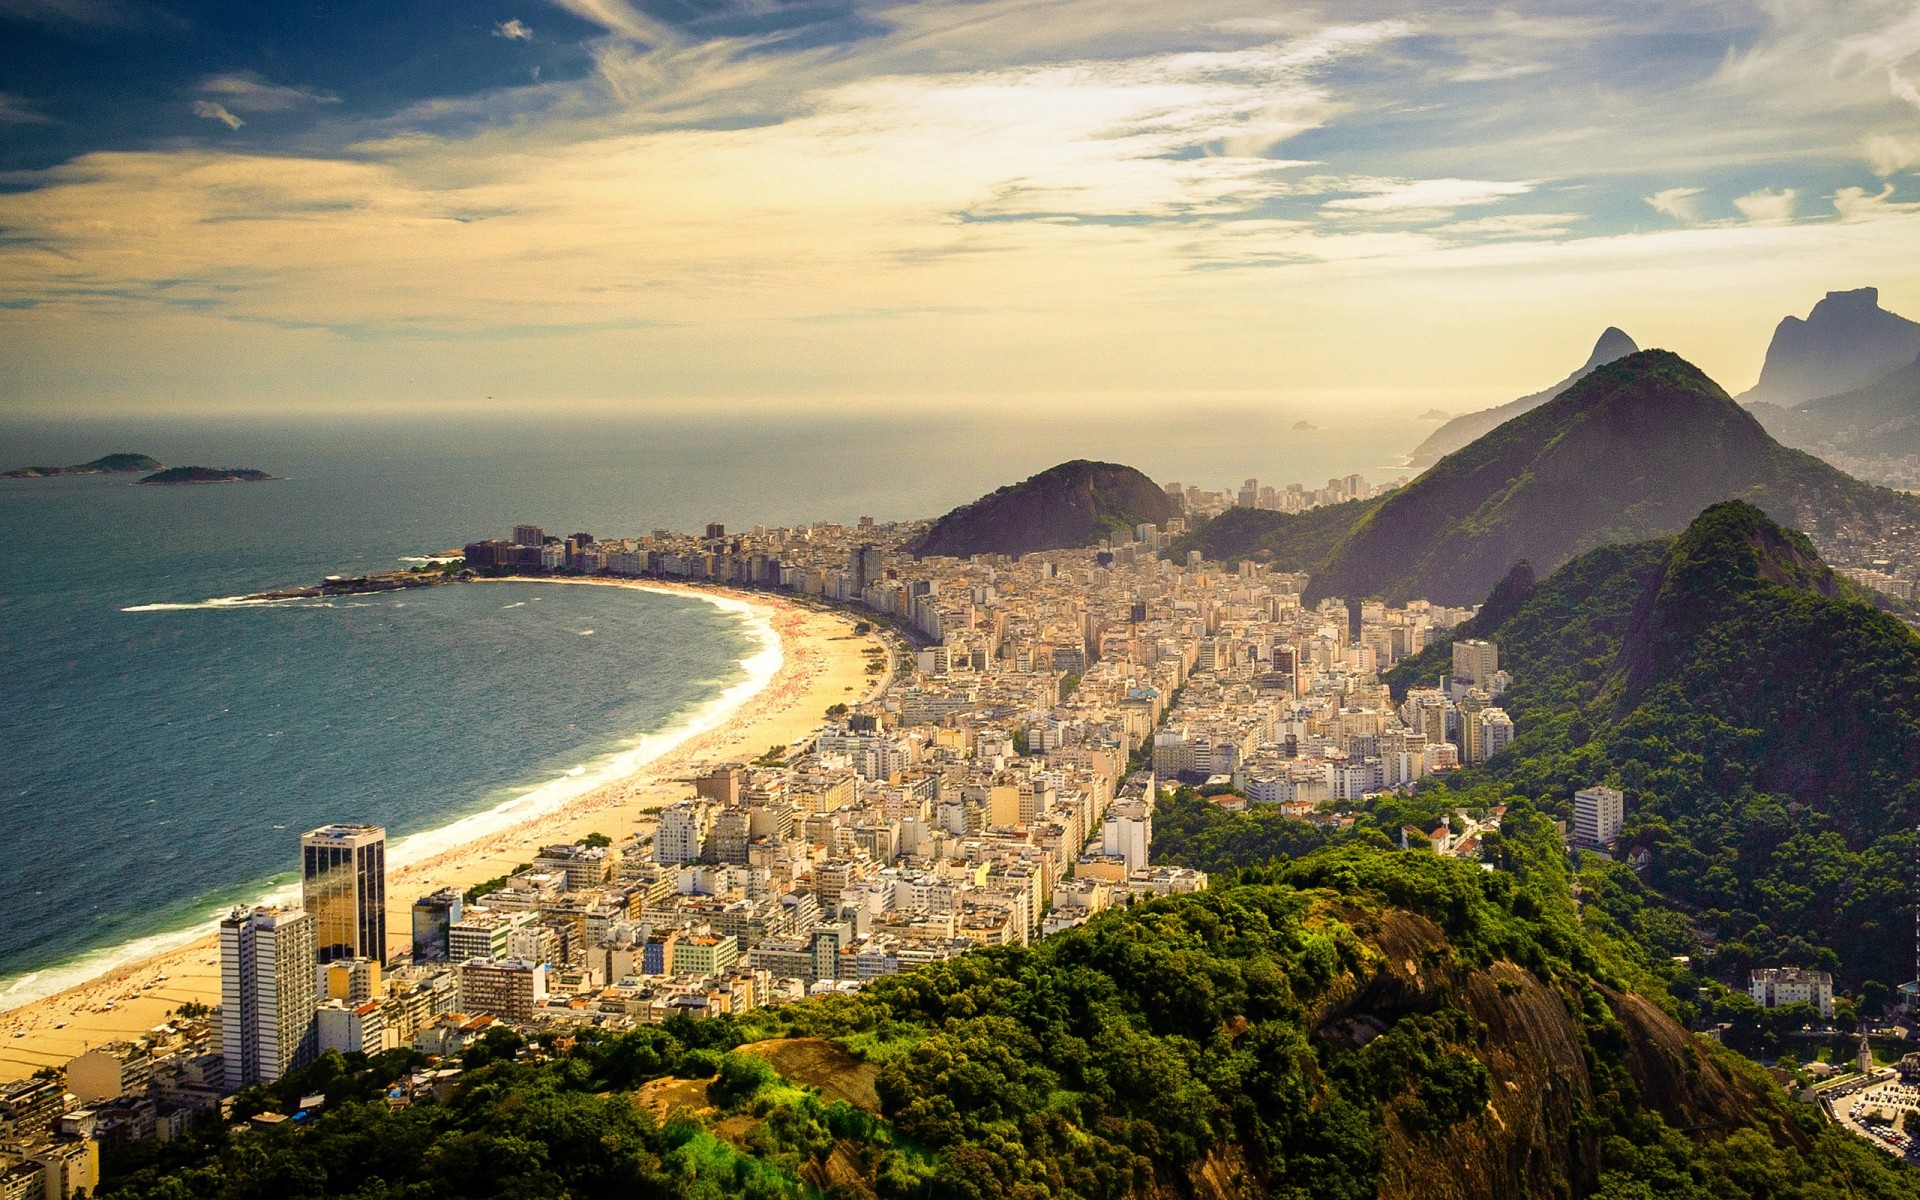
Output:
[[1072, 505], [1762, 717], [1362, 1023], [1880, 419], [106, 464], [1468, 426], [1846, 341], [1634, 450]]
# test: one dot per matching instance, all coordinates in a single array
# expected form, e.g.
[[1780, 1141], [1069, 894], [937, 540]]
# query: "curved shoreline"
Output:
[[807, 660]]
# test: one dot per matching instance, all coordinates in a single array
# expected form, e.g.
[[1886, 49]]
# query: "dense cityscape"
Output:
[[998, 786]]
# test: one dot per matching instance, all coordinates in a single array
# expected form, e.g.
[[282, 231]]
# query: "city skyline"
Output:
[[593, 203]]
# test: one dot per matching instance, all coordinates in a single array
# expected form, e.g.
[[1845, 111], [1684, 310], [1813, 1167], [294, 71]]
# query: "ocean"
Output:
[[159, 757]]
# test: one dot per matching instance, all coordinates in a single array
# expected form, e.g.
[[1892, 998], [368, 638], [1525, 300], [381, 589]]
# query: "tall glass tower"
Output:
[[343, 871]]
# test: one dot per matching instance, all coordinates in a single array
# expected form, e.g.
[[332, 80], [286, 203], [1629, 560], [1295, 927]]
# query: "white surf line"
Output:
[[540, 801]]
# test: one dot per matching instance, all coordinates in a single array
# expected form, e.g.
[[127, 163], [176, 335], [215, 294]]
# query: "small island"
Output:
[[1304, 426], [107, 464], [1434, 414], [180, 475]]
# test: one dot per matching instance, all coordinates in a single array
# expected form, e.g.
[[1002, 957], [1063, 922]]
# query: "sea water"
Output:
[[160, 755]]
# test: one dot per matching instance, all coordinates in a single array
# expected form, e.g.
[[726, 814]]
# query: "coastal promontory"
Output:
[[179, 475]]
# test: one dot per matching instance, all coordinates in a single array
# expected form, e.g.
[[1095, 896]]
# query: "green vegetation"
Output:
[[1343, 1025], [473, 894], [1070, 505], [1763, 720], [1283, 541]]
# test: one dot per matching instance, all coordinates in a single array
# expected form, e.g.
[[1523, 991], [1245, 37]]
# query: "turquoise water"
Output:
[[157, 765]]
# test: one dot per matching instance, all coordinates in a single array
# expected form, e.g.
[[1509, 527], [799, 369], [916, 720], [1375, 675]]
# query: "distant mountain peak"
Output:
[[1613, 343], [1862, 297], [1635, 450], [1846, 341]]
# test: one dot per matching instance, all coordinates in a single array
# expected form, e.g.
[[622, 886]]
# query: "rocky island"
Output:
[[108, 464], [177, 475]]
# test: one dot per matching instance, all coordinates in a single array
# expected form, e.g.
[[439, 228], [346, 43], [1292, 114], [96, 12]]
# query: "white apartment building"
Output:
[[1597, 815], [1475, 661], [682, 833], [267, 997], [1775, 987]]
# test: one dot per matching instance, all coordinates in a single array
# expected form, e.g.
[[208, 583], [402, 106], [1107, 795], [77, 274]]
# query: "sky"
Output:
[[1087, 204]]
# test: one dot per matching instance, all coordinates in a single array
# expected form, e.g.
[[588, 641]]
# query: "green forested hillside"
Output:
[[1763, 719], [1283, 541], [1360, 1022], [1068, 506]]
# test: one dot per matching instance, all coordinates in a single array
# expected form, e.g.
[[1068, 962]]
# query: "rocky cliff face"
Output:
[[1072, 505], [1846, 341], [1880, 419]]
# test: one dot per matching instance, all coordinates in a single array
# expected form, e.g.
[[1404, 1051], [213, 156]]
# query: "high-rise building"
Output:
[[266, 993], [1597, 815], [343, 871], [1490, 732], [1475, 661], [866, 566], [528, 535], [433, 915]]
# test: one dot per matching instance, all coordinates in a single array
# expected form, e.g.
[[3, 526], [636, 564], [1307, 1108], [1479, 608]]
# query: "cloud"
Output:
[[1418, 197], [1085, 180], [18, 110], [1680, 203], [216, 112], [514, 30], [1514, 225], [1888, 154], [1854, 203], [108, 13], [1495, 72], [1767, 206], [247, 91], [620, 18], [1903, 87]]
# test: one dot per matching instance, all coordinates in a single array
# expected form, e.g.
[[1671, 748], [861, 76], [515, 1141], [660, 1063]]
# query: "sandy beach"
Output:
[[823, 663]]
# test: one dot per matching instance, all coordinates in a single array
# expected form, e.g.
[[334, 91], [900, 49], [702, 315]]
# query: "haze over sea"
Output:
[[157, 766]]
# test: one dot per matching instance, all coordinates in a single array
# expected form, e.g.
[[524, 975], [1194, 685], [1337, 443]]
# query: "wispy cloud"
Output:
[[1427, 196], [1889, 154], [1903, 87], [622, 19], [70, 12], [1767, 206], [1680, 203], [248, 91], [1024, 190], [216, 112], [17, 110]]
